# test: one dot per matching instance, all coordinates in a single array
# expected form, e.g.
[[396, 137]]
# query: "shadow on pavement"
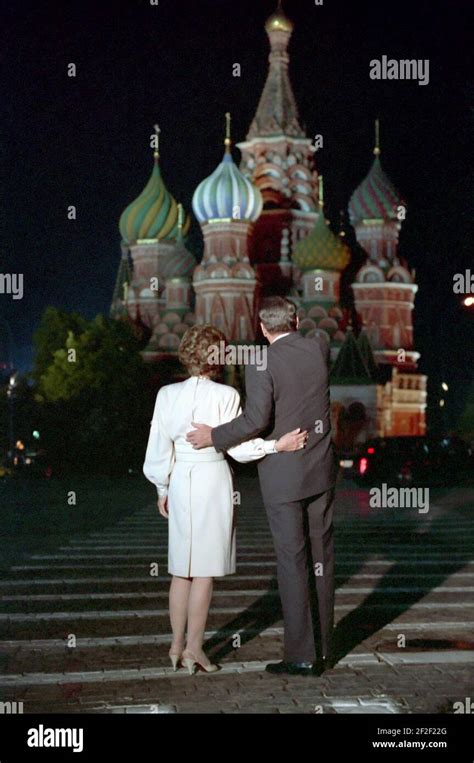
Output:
[[422, 534]]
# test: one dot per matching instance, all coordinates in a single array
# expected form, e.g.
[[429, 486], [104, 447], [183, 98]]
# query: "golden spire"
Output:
[[279, 21], [228, 141], [377, 138], [320, 191], [156, 152]]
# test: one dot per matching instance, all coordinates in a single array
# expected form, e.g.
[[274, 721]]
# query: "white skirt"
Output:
[[201, 530]]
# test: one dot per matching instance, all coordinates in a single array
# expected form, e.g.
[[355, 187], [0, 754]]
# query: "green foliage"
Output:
[[95, 396], [105, 351], [51, 336]]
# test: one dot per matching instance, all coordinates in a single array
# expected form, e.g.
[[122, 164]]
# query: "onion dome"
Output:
[[279, 22], [227, 194], [376, 197], [321, 248], [154, 213]]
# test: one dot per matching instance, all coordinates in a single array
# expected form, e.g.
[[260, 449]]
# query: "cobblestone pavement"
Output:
[[85, 628]]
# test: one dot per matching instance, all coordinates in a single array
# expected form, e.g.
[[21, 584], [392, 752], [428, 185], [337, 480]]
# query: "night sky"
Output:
[[85, 140]]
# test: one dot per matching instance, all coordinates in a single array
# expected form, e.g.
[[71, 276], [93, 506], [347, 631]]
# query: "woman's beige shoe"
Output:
[[175, 659], [191, 663]]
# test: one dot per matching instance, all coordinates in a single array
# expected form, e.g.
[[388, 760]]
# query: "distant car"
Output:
[[415, 461]]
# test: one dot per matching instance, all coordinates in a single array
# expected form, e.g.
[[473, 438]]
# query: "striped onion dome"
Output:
[[153, 214], [227, 195], [376, 198], [321, 248]]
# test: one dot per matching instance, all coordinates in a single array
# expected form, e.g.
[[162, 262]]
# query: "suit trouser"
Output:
[[293, 524]]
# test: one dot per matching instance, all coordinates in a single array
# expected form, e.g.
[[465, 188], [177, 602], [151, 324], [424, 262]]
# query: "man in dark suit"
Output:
[[298, 487]]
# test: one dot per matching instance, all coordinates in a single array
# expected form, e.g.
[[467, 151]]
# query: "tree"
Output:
[[51, 336], [96, 397]]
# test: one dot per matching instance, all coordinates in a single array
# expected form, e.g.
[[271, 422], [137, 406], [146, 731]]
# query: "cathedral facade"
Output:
[[265, 232]]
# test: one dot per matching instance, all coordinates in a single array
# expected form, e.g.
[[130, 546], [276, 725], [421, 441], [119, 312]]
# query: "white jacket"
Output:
[[198, 482]]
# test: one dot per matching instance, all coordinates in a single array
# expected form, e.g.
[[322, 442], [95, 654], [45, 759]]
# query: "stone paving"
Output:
[[84, 627]]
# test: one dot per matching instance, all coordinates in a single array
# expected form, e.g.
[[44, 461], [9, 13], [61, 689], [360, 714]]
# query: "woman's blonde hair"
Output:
[[197, 350]]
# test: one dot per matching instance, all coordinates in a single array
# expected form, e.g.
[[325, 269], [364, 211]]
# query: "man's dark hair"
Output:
[[278, 315]]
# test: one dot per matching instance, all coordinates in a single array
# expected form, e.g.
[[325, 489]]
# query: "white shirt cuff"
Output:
[[269, 446]]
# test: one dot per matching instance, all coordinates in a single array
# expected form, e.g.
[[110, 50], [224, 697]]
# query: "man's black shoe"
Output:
[[291, 668]]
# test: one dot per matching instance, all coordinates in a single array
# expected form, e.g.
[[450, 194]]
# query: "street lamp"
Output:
[[442, 404]]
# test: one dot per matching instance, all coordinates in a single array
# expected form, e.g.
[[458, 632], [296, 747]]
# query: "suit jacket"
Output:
[[293, 391]]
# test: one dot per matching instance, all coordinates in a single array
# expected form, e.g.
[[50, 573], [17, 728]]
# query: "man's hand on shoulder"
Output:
[[201, 436]]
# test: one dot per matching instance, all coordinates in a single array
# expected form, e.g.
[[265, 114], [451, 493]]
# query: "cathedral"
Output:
[[265, 232]]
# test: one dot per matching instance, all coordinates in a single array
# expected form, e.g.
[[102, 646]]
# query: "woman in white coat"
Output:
[[195, 490]]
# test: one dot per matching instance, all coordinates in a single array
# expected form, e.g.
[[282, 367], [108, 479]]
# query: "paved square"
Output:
[[84, 627]]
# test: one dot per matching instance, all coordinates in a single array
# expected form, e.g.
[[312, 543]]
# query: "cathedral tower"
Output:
[[156, 284], [384, 294], [385, 289], [320, 257], [226, 204], [278, 157]]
